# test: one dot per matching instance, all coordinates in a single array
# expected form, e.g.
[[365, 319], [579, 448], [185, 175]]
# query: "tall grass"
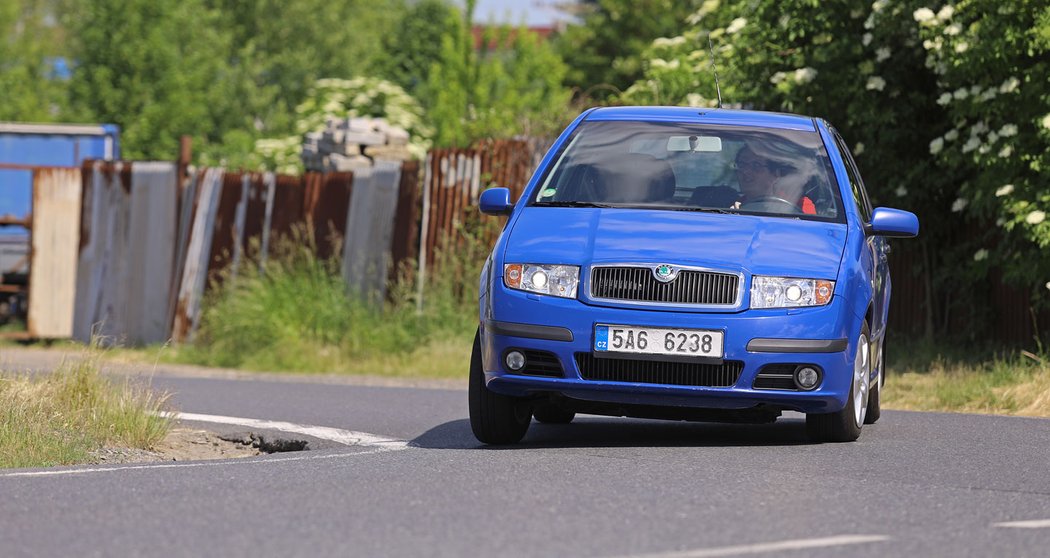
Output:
[[59, 418], [926, 377], [295, 312]]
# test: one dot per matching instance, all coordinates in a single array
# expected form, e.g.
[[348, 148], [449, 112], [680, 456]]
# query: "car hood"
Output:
[[753, 244]]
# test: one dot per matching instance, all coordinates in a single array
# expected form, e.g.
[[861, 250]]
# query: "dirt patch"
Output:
[[181, 444]]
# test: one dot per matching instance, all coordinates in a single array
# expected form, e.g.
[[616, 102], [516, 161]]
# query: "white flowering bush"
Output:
[[342, 98], [991, 60], [945, 103]]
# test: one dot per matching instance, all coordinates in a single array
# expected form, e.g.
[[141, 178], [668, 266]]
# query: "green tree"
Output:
[[30, 48], [510, 85], [287, 46], [417, 43], [942, 107], [159, 69], [604, 50], [991, 61]]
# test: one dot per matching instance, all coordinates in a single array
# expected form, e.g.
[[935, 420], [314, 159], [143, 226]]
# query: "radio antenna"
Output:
[[714, 70]]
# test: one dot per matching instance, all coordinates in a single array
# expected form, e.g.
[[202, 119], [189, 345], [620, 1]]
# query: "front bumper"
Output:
[[565, 327]]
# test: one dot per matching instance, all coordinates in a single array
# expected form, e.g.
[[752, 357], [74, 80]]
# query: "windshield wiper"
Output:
[[573, 204], [700, 209]]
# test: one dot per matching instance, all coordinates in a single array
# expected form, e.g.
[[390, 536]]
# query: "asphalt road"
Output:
[[915, 484]]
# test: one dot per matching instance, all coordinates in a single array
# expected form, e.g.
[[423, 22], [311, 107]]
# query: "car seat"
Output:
[[639, 178]]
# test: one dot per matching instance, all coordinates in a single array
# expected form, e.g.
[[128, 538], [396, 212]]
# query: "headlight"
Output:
[[554, 280], [788, 292]]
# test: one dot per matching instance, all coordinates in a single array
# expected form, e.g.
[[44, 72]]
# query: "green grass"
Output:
[[295, 313], [13, 326], [59, 418], [942, 378]]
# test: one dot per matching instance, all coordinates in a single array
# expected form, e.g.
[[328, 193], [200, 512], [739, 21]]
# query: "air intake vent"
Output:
[[637, 284], [658, 372], [541, 363], [776, 376]]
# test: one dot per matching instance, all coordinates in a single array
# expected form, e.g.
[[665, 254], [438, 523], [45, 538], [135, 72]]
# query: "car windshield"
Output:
[[694, 167]]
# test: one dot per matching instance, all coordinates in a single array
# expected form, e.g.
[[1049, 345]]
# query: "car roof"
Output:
[[732, 117]]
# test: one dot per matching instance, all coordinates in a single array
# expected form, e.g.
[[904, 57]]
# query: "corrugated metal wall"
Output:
[[127, 251], [369, 232], [453, 179], [234, 215], [54, 233]]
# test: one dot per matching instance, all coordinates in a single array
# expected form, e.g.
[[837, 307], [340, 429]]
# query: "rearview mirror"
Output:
[[895, 223], [495, 201], [701, 144]]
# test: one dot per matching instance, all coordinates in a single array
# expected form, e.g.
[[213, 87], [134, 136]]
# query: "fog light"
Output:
[[515, 360], [806, 377]]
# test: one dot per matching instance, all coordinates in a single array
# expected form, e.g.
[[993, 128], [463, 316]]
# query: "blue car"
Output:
[[686, 264]]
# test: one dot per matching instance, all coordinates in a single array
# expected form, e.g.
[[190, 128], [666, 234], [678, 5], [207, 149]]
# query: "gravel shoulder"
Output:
[[181, 444]]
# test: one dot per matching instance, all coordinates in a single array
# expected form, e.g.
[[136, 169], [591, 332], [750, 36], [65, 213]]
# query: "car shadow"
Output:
[[603, 432]]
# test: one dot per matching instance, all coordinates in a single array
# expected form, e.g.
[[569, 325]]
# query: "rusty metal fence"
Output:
[[128, 250], [125, 251]]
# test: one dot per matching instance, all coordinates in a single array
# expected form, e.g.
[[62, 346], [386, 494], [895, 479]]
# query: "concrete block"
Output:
[[342, 163], [388, 152], [359, 124], [365, 138], [397, 136]]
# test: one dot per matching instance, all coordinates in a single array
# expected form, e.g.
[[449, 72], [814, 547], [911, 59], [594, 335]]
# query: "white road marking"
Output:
[[760, 548], [377, 444], [1030, 524], [217, 463], [345, 437]]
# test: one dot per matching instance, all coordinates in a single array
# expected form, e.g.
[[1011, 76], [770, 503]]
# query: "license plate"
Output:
[[658, 341]]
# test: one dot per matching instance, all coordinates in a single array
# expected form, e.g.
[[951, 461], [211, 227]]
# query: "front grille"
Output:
[[690, 287], [658, 372], [776, 376], [541, 363]]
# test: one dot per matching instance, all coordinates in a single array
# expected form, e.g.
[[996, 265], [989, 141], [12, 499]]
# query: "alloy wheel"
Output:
[[861, 375]]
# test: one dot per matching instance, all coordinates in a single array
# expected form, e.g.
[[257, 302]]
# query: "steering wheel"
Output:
[[771, 204]]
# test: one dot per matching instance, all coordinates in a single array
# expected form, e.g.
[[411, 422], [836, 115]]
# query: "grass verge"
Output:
[[61, 417], [294, 312], [935, 378]]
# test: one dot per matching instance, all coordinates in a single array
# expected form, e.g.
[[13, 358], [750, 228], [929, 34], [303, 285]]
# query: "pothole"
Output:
[[266, 443]]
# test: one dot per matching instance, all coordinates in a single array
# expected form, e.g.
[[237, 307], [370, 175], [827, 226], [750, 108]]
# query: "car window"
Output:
[[677, 166], [860, 195]]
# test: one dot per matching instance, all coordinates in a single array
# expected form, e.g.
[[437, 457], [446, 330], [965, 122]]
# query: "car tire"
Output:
[[845, 425], [494, 418], [874, 398], [549, 413]]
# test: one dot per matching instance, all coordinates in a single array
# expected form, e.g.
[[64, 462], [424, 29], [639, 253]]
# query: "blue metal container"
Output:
[[26, 146]]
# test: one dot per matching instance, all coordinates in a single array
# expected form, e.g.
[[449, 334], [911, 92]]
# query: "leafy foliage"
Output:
[[604, 51], [32, 86], [158, 69], [881, 73], [413, 49], [992, 60], [287, 46], [511, 85]]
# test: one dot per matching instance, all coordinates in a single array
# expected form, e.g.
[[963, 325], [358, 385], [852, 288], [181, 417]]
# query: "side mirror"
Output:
[[895, 223], [495, 201]]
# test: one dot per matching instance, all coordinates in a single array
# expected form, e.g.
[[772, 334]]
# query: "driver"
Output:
[[760, 178]]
